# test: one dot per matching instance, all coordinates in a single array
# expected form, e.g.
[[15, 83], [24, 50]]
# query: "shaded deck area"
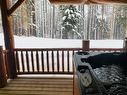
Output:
[[39, 86]]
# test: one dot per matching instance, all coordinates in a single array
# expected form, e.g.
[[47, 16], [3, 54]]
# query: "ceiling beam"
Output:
[[109, 1], [67, 1], [88, 1], [15, 6]]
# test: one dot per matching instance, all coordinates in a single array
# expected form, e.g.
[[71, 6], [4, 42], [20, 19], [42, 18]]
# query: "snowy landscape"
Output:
[[37, 42]]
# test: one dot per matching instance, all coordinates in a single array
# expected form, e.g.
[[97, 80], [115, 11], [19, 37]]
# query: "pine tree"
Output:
[[70, 21]]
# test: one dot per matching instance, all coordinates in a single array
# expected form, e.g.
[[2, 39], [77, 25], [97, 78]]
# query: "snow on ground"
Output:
[[106, 43], [34, 42]]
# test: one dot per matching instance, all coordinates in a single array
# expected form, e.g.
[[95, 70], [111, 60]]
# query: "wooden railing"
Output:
[[105, 50], [49, 61], [45, 61]]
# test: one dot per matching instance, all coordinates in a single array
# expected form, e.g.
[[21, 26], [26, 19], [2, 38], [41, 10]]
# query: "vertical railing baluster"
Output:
[[37, 59], [17, 61], [52, 61], [47, 57], [27, 61], [72, 61], [32, 61], [62, 61], [73, 52], [42, 60], [22, 61], [68, 64], [58, 61]]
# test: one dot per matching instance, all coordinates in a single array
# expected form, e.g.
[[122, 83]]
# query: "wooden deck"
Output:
[[38, 86]]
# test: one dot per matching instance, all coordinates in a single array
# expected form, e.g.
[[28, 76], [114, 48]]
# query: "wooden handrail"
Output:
[[106, 49], [45, 49], [66, 49]]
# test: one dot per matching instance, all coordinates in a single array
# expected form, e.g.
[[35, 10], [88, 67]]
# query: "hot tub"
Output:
[[101, 73]]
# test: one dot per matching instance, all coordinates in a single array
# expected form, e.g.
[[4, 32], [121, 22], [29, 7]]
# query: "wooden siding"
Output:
[[39, 86]]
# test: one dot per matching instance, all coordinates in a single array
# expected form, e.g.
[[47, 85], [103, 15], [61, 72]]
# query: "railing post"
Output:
[[125, 45], [3, 77], [11, 64], [85, 45]]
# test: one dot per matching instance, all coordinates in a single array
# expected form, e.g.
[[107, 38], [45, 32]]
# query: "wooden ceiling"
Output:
[[88, 1]]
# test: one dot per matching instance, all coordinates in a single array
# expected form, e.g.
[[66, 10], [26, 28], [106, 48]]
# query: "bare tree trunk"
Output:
[[53, 22], [112, 23]]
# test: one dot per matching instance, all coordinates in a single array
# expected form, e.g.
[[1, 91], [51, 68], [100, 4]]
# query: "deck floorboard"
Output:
[[38, 86]]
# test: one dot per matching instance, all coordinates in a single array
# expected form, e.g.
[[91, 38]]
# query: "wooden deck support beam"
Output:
[[15, 6], [8, 36], [3, 78], [88, 1], [7, 25]]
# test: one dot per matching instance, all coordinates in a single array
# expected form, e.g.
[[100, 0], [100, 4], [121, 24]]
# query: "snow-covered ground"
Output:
[[34, 42]]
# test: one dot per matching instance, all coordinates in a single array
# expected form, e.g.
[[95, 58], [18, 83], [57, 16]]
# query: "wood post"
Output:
[[7, 25], [3, 76], [11, 64], [85, 45], [125, 45], [8, 36]]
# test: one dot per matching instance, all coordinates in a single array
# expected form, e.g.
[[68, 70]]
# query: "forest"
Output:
[[39, 18]]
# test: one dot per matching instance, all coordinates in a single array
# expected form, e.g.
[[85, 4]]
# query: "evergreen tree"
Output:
[[70, 21]]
